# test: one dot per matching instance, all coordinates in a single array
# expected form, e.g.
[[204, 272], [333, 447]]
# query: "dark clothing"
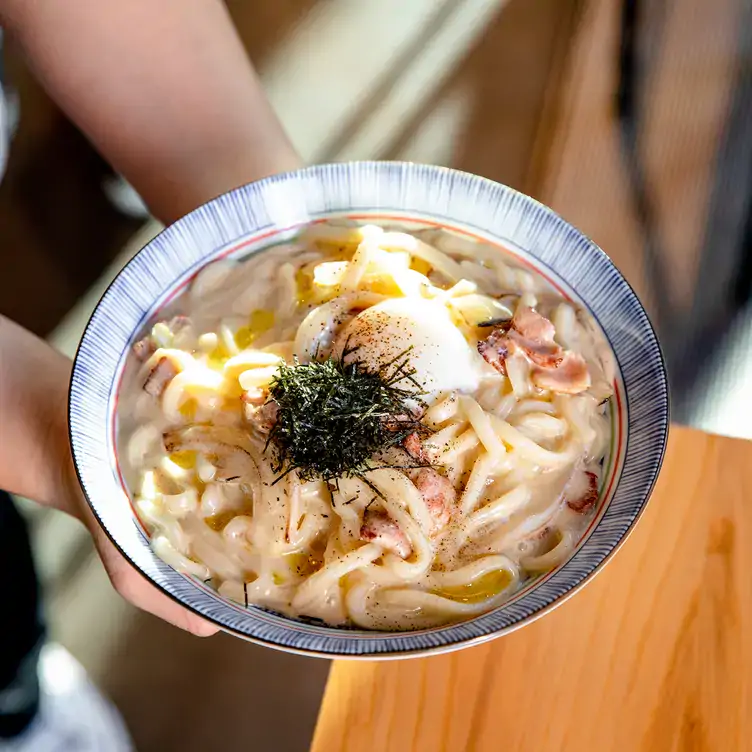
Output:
[[21, 626]]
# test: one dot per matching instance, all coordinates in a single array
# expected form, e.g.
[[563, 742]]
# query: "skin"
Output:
[[169, 97]]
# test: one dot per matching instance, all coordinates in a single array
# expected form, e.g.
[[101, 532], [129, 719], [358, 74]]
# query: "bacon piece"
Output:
[[532, 326], [570, 376], [380, 528], [585, 501], [532, 335], [439, 495], [258, 410], [529, 332], [144, 348], [159, 377], [414, 447], [256, 396], [494, 349], [405, 420]]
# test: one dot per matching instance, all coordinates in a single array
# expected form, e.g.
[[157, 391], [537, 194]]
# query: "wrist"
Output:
[[56, 484], [34, 450]]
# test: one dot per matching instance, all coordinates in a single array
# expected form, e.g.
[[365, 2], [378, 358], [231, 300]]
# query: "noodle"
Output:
[[495, 488]]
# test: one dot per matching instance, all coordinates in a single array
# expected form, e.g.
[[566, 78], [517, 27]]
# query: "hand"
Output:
[[35, 459], [130, 583]]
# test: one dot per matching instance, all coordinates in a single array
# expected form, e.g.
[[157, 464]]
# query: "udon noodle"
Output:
[[497, 489]]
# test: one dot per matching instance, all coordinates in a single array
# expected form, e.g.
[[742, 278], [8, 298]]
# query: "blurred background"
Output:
[[632, 119]]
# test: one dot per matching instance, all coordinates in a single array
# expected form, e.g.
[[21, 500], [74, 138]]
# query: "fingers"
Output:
[[134, 587], [125, 578]]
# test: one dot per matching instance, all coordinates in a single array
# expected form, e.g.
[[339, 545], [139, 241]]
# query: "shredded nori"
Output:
[[334, 415]]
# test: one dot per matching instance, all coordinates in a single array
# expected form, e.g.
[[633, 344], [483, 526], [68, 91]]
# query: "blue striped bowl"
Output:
[[256, 216]]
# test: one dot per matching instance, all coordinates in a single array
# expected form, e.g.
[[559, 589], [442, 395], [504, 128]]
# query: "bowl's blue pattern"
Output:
[[426, 192]]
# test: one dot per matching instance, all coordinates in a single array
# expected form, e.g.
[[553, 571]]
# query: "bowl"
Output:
[[257, 216]]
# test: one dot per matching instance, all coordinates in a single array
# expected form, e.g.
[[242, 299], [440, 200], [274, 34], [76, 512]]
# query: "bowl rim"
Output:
[[388, 170]]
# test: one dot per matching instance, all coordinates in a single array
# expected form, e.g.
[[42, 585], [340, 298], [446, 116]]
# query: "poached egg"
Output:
[[424, 331]]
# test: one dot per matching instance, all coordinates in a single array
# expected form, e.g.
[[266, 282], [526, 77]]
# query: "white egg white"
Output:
[[423, 330]]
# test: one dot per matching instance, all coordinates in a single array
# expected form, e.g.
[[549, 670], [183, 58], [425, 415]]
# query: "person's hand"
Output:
[[35, 459], [132, 585]]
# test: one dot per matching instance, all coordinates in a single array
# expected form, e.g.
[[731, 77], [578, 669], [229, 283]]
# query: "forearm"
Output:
[[164, 90], [34, 455]]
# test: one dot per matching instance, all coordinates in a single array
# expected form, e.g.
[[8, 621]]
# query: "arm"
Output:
[[164, 90], [166, 93]]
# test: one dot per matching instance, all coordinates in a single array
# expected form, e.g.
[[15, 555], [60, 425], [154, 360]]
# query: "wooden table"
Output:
[[654, 654]]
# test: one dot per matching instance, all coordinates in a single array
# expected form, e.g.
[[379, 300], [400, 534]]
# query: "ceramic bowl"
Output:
[[257, 216]]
